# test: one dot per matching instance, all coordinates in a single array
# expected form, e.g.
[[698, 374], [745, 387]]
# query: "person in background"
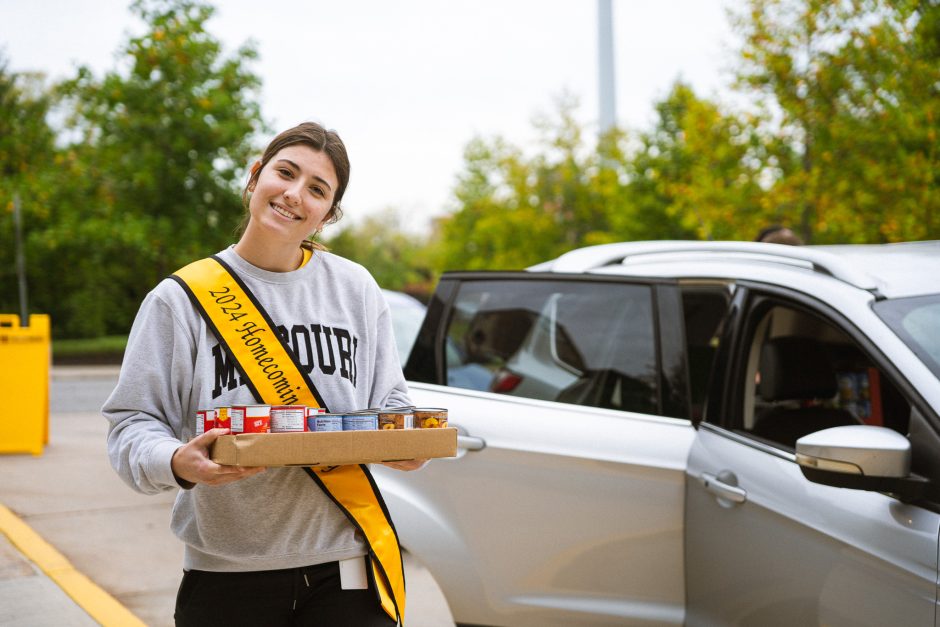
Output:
[[778, 234]]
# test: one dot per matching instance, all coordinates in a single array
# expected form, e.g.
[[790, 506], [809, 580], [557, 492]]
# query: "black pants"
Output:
[[296, 596]]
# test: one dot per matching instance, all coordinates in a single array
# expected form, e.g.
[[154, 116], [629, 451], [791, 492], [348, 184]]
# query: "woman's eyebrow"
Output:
[[297, 168]]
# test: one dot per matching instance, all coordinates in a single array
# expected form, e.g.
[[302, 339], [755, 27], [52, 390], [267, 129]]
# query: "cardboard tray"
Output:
[[333, 448]]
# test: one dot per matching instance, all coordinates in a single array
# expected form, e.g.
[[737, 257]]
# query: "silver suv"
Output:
[[684, 432]]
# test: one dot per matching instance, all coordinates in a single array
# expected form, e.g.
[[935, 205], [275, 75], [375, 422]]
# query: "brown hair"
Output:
[[320, 139]]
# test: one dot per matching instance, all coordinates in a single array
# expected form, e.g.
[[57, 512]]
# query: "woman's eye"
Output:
[[284, 172], [316, 190]]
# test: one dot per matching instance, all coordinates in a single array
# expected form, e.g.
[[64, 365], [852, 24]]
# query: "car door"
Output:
[[565, 505], [765, 546]]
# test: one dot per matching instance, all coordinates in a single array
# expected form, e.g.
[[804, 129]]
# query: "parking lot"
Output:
[[117, 538]]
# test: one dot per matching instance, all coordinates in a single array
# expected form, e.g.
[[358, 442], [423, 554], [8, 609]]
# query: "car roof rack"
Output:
[[593, 257]]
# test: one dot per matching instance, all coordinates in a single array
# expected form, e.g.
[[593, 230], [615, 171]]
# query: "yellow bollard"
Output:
[[24, 384]]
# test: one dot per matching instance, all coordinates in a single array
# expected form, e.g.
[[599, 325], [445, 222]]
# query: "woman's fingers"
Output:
[[408, 464], [191, 462]]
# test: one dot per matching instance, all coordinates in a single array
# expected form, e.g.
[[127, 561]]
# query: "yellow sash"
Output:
[[273, 375]]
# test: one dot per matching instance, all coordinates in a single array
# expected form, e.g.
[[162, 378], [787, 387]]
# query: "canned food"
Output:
[[430, 418], [313, 411], [360, 421], [203, 422], [397, 418], [223, 419], [325, 422], [288, 418], [251, 418]]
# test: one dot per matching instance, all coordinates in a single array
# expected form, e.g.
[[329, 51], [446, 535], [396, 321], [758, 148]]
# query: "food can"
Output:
[[223, 418], [430, 418], [323, 421], [251, 418], [202, 424], [288, 418], [397, 418], [361, 421]]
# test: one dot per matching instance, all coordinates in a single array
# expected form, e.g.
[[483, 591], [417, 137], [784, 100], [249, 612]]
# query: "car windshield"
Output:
[[916, 320]]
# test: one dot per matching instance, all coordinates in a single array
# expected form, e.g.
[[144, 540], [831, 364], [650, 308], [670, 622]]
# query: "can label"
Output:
[[397, 419], [251, 418], [430, 418], [257, 418], [209, 419], [360, 422], [237, 419], [223, 419], [325, 422], [288, 418], [201, 422]]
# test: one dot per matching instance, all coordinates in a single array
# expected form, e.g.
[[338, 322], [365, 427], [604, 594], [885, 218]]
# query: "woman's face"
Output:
[[293, 194]]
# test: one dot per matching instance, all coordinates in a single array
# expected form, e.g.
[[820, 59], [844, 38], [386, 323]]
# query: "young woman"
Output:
[[263, 546]]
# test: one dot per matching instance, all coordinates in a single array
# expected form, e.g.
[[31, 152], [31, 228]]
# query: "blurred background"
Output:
[[481, 134]]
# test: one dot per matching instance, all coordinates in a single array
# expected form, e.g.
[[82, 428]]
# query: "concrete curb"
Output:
[[100, 605]]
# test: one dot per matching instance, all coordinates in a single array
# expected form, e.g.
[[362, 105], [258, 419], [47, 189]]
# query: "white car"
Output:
[[407, 316], [703, 433]]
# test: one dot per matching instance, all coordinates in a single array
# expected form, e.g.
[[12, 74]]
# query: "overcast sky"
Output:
[[407, 83]]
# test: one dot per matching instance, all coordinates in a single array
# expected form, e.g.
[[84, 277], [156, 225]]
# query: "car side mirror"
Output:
[[857, 450], [862, 457]]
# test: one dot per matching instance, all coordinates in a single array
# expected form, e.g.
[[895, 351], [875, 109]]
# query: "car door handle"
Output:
[[470, 443], [722, 487]]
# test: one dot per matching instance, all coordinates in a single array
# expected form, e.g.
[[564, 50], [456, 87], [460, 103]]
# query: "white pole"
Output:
[[607, 104]]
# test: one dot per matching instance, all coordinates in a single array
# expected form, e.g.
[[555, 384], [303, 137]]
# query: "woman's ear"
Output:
[[253, 177]]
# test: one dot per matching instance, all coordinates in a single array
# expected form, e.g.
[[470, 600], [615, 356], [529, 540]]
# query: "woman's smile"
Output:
[[282, 211]]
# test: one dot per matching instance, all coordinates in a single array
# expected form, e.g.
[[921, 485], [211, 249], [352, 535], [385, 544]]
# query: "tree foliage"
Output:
[[143, 176], [147, 171], [854, 87], [27, 152], [397, 259]]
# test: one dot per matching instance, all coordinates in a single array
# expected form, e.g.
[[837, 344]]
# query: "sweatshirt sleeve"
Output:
[[145, 410], [389, 386]]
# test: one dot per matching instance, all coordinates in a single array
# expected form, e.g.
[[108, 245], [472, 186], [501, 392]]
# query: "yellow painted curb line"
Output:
[[98, 603]]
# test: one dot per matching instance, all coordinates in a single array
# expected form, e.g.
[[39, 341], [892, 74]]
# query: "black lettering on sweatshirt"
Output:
[[325, 368], [344, 346], [225, 373], [334, 346]]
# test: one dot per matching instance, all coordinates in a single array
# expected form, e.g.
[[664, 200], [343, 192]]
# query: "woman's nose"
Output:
[[291, 196]]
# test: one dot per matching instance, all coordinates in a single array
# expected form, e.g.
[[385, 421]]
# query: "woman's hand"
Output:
[[408, 464], [191, 462]]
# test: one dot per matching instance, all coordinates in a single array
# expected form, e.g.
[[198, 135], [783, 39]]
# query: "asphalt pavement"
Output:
[[79, 547]]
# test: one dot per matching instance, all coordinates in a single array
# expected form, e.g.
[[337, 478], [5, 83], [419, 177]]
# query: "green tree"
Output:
[[161, 145], [27, 156], [695, 174], [398, 260], [854, 87], [515, 210]]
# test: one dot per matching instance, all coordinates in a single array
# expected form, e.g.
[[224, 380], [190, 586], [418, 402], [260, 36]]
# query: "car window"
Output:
[[568, 341], [703, 308], [804, 374], [917, 322]]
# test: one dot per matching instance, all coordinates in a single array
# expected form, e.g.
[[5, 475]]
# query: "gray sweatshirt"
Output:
[[337, 322]]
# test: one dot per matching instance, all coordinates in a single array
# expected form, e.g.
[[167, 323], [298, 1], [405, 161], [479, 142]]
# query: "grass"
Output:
[[98, 350]]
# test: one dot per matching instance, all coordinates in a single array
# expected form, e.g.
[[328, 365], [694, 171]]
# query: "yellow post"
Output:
[[24, 384]]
